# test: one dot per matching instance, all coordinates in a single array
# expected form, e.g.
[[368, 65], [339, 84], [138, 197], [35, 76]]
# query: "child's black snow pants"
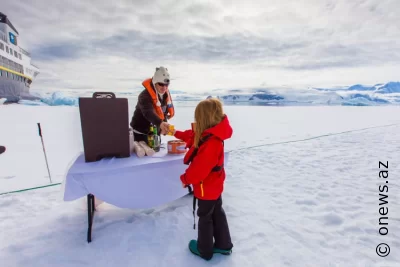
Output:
[[212, 224]]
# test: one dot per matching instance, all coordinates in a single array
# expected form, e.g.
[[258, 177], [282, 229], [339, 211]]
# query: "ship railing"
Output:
[[34, 65], [23, 51], [9, 64], [16, 69]]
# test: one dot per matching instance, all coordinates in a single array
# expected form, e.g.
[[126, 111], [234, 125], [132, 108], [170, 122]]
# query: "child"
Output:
[[206, 173]]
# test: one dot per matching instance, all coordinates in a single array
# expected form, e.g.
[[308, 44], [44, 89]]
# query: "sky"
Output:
[[206, 45]]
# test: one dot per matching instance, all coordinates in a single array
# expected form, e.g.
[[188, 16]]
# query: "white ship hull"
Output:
[[16, 70]]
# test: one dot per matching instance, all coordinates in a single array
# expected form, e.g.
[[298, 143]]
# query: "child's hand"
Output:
[[183, 185]]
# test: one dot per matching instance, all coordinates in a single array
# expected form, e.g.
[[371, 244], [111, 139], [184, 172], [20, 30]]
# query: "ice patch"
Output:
[[60, 99], [32, 103]]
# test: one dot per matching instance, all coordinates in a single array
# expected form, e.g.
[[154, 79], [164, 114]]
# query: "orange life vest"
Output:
[[156, 102]]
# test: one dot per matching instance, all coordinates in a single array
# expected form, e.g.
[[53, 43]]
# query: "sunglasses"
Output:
[[163, 84]]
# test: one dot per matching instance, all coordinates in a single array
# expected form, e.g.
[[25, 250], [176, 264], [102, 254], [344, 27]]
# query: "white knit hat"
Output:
[[161, 76]]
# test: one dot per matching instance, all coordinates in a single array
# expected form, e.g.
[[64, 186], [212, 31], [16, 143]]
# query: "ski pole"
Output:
[[44, 151]]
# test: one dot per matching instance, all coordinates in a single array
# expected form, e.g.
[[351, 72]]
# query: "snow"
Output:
[[301, 190]]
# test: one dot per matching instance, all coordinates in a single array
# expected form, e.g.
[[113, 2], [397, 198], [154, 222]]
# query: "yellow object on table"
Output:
[[171, 130]]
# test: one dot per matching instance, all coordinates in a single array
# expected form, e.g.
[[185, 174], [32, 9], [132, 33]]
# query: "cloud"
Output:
[[64, 51], [206, 45]]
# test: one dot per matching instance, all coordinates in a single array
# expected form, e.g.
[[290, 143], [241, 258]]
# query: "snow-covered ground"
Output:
[[302, 189]]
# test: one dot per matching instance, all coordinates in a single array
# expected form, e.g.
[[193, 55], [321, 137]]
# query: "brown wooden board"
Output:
[[105, 126]]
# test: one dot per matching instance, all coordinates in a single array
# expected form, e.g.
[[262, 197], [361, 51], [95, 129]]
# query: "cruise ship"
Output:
[[16, 70]]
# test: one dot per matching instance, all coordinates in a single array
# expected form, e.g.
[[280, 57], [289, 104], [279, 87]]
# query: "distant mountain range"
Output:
[[357, 95], [388, 88]]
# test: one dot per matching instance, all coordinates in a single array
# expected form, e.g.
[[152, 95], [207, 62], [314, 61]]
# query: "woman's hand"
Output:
[[164, 127]]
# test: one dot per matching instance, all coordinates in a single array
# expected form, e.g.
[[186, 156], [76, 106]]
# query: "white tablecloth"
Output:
[[136, 183]]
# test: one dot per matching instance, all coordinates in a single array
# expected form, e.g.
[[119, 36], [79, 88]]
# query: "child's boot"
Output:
[[222, 251], [193, 248]]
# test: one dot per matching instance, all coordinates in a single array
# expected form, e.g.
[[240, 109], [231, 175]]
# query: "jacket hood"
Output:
[[222, 130]]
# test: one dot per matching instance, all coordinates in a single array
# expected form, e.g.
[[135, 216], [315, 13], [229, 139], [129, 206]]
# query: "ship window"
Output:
[[19, 55], [11, 51], [1, 46], [15, 54], [7, 49], [1, 73]]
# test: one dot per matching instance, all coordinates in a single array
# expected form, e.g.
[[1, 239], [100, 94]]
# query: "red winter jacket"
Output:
[[207, 184]]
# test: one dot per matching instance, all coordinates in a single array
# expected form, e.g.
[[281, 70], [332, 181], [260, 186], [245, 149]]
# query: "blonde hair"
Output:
[[207, 114]]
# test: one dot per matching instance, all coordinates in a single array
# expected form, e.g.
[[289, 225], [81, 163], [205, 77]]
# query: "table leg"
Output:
[[91, 210]]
